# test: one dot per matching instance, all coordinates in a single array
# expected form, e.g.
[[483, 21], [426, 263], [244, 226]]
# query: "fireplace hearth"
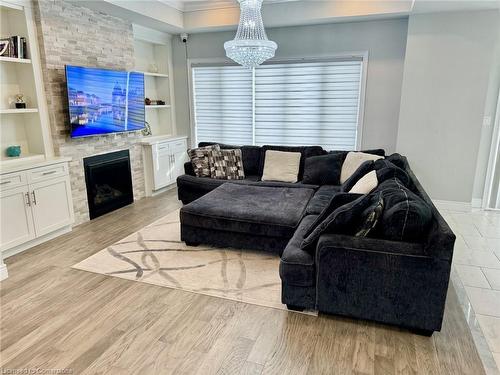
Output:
[[109, 182]]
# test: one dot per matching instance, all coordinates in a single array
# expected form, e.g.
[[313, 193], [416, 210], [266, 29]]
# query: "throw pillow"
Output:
[[362, 170], [406, 216], [371, 216], [226, 165], [365, 184], [352, 162], [335, 202], [281, 166], [344, 220], [323, 170], [199, 159]]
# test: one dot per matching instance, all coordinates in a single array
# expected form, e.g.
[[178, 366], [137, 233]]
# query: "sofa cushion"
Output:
[[281, 166], [352, 162], [406, 216], [343, 220], [200, 159], [323, 169], [250, 155], [297, 265], [365, 184], [226, 164], [266, 211], [384, 169], [321, 199], [306, 152]]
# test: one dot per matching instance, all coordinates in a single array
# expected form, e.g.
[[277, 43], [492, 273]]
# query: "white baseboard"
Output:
[[452, 206], [3, 272], [37, 241], [477, 203]]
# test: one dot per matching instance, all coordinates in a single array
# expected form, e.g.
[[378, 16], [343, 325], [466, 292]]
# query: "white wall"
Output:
[[384, 40], [445, 85]]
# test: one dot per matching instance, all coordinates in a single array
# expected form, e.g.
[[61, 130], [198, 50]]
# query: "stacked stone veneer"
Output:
[[69, 34]]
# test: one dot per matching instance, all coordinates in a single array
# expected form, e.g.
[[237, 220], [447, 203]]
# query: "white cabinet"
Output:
[[34, 204], [17, 225], [164, 160]]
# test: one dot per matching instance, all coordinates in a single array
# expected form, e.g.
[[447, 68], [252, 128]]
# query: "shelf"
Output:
[[17, 110], [159, 75], [157, 106], [24, 158], [15, 60]]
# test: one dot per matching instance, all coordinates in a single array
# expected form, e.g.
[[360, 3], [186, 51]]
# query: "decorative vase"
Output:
[[13, 151]]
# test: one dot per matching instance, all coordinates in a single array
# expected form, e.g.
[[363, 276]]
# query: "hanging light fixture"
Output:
[[250, 47]]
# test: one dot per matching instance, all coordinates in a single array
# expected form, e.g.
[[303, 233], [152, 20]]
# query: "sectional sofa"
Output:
[[400, 282]]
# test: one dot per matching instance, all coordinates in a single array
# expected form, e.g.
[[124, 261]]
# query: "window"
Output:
[[294, 103]]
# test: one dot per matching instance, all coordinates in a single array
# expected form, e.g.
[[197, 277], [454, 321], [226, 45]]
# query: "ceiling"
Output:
[[192, 16]]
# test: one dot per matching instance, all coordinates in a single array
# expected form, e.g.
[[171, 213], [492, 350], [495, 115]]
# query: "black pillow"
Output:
[[406, 216], [344, 220], [323, 170], [385, 170], [398, 160], [335, 202], [371, 216]]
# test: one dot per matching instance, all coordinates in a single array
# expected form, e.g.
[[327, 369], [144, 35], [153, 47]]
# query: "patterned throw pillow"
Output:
[[226, 165], [371, 216], [200, 159]]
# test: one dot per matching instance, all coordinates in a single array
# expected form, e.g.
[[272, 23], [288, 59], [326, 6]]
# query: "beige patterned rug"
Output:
[[156, 255]]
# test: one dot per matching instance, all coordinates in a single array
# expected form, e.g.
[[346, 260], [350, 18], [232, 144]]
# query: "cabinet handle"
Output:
[[46, 173], [28, 201], [34, 197]]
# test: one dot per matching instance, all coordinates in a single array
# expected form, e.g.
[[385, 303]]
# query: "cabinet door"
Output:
[[51, 204], [179, 157], [16, 226], [162, 164]]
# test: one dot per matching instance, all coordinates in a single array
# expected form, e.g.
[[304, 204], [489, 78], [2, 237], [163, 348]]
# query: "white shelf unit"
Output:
[[27, 127], [153, 57]]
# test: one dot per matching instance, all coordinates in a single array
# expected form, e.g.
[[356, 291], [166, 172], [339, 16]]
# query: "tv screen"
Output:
[[104, 101]]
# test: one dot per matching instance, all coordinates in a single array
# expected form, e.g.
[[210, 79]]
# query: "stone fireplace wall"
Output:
[[69, 34]]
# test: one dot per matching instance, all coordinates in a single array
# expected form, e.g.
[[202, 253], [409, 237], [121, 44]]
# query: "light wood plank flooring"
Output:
[[55, 317]]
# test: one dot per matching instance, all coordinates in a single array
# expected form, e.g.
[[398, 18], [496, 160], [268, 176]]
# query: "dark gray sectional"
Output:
[[389, 281]]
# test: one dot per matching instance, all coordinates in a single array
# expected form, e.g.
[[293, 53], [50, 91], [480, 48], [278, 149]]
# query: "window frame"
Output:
[[224, 61]]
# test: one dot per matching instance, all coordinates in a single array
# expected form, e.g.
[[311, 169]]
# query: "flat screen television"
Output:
[[104, 101]]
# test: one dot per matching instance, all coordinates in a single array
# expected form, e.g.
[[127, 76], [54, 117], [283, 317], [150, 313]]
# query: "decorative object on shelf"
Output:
[[160, 102], [250, 47], [153, 68], [13, 151], [20, 102], [147, 101], [152, 103], [147, 129], [5, 47]]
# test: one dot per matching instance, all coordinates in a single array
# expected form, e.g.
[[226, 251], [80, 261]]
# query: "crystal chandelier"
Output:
[[250, 47]]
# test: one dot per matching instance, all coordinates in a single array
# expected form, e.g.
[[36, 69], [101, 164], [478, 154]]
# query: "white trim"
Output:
[[492, 161], [477, 203], [363, 55], [452, 205], [150, 35], [3, 272]]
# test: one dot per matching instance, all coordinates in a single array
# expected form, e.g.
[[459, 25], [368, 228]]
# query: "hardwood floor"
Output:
[[55, 317]]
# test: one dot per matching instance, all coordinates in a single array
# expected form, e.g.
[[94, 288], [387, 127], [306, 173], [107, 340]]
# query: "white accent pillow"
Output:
[[365, 184], [281, 166], [352, 162]]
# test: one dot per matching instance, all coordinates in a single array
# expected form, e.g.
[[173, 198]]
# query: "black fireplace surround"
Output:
[[109, 182]]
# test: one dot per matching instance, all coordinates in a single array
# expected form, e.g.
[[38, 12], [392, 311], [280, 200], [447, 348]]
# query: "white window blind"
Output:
[[296, 103], [314, 103], [223, 104]]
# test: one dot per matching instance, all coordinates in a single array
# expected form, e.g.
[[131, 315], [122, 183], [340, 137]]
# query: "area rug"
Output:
[[156, 255]]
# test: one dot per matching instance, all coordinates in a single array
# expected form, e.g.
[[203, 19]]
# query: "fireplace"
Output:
[[109, 182]]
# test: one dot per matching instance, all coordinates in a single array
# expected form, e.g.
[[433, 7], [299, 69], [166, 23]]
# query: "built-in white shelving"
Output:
[[18, 110], [153, 58], [15, 60], [25, 127]]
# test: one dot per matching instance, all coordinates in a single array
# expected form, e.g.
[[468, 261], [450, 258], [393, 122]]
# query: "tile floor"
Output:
[[476, 277]]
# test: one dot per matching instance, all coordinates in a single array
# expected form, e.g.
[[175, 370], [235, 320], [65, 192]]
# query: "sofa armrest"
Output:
[[353, 243], [188, 168]]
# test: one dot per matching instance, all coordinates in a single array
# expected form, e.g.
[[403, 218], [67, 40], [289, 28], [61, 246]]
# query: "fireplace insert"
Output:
[[109, 182]]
